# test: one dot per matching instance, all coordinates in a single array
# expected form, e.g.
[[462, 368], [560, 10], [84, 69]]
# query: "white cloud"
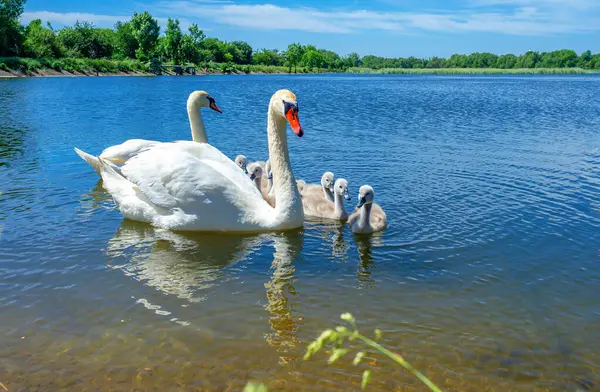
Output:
[[517, 17]]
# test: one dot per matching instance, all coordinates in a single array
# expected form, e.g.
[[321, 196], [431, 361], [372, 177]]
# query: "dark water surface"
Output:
[[488, 277]]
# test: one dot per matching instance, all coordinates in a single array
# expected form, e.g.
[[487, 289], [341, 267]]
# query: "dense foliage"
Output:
[[140, 39]]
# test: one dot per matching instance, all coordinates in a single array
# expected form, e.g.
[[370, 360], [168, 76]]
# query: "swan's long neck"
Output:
[[365, 215], [289, 203], [258, 182], [339, 209], [327, 193], [196, 124]]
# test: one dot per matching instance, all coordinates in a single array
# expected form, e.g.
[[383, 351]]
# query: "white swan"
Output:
[[317, 205], [325, 189], [121, 153], [194, 186], [368, 216], [240, 160]]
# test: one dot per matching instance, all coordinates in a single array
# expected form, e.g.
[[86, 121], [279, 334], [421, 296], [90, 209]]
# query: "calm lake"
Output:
[[488, 277]]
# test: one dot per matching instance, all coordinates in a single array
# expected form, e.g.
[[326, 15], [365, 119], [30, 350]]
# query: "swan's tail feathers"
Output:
[[114, 181], [109, 170], [93, 161]]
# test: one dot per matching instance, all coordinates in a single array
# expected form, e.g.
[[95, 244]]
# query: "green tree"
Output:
[[11, 34], [506, 61], [436, 62], [313, 58], [267, 57], [40, 41], [595, 61], [352, 60], [585, 58], [293, 55], [197, 34], [83, 40], [145, 29], [216, 47], [371, 61], [241, 52], [528, 60], [126, 43], [189, 50], [172, 41]]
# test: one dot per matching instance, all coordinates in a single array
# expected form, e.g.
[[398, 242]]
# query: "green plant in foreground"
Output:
[[338, 336], [255, 387]]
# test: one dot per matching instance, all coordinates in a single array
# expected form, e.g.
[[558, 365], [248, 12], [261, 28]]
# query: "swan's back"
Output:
[[378, 218], [193, 186], [317, 205], [121, 153]]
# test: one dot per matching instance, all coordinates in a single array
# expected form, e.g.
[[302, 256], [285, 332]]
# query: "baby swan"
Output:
[[368, 216], [317, 205], [240, 160], [325, 189], [256, 173]]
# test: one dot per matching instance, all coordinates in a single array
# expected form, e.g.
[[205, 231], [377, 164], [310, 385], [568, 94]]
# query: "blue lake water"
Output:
[[486, 279]]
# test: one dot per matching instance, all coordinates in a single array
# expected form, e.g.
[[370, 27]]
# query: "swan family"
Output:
[[192, 185]]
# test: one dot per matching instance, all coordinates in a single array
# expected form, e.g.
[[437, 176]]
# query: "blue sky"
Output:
[[393, 28]]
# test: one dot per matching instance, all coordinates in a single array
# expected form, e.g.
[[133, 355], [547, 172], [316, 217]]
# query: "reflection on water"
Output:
[[182, 264], [364, 247], [95, 199], [283, 322]]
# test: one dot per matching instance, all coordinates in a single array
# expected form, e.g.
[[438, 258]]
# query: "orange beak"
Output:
[[292, 117], [214, 107]]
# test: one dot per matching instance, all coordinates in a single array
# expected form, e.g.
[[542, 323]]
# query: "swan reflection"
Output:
[[97, 198], [284, 324], [364, 247], [180, 264], [330, 230]]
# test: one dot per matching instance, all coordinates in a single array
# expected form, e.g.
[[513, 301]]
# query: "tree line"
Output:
[[140, 38]]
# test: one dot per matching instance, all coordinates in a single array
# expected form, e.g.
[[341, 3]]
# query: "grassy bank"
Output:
[[83, 66], [20, 66], [27, 66], [471, 71]]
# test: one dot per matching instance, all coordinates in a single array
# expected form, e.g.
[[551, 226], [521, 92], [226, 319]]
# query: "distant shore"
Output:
[[71, 67]]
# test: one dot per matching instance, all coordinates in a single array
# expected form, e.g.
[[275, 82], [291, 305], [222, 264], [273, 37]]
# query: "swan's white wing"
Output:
[[200, 185], [121, 153]]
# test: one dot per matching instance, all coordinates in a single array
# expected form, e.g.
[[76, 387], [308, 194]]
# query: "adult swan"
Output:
[[120, 153], [192, 186]]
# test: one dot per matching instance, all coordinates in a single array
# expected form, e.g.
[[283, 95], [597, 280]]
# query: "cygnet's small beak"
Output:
[[347, 195], [361, 202], [270, 176], [244, 169], [252, 177]]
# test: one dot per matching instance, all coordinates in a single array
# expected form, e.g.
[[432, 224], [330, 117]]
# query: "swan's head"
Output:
[[286, 105], [255, 170], [341, 188], [366, 194], [327, 181], [240, 160], [202, 99]]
